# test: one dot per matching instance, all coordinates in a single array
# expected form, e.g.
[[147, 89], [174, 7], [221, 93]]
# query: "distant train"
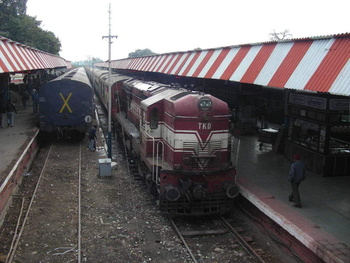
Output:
[[66, 104], [179, 140]]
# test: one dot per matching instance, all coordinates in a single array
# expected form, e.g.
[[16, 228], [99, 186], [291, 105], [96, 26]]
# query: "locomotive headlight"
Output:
[[205, 104]]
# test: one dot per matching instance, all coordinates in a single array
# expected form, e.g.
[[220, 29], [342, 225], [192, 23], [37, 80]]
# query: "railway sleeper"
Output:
[[137, 177], [194, 233]]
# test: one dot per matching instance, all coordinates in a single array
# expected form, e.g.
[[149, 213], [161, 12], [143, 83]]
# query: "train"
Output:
[[178, 139], [66, 105]]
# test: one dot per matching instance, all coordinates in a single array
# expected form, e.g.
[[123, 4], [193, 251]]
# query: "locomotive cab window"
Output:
[[154, 118]]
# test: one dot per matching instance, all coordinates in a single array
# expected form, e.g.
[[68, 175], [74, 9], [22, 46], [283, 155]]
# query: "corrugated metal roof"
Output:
[[16, 57], [316, 64]]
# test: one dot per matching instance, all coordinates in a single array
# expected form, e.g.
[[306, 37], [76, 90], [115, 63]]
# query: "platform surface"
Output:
[[324, 218], [13, 140]]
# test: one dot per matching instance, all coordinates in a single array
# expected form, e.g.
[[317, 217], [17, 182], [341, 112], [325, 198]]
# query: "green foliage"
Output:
[[13, 7], [141, 53], [16, 25]]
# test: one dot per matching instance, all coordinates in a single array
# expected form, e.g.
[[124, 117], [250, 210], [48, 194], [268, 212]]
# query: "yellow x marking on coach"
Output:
[[65, 104]]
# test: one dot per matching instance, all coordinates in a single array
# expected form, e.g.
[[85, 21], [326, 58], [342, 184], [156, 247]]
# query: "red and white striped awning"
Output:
[[315, 64], [16, 57]]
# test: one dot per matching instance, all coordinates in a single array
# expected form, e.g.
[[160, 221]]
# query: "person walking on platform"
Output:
[[35, 99], [11, 110], [295, 177], [25, 98], [92, 138], [2, 114], [263, 112]]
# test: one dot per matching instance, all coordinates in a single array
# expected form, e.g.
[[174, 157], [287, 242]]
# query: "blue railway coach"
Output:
[[66, 104]]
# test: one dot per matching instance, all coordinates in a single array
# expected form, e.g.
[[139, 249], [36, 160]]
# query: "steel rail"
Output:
[[183, 240], [79, 207], [16, 231], [129, 173], [29, 207], [241, 240]]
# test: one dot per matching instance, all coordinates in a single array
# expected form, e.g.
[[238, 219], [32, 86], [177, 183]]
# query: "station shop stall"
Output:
[[318, 127]]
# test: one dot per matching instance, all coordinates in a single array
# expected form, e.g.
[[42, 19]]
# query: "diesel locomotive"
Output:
[[66, 105], [179, 140]]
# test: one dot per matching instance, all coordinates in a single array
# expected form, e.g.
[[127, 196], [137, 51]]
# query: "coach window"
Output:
[[143, 118], [154, 118]]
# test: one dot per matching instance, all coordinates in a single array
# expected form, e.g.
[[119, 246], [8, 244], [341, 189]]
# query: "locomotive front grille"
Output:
[[203, 156], [204, 149], [203, 162]]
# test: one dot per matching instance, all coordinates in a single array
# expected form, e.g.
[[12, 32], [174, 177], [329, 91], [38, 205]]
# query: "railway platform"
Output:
[[322, 224], [13, 140]]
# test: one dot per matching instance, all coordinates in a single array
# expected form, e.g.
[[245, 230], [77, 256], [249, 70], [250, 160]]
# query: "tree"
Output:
[[47, 41], [13, 7], [141, 53], [276, 36], [16, 25], [10, 9]]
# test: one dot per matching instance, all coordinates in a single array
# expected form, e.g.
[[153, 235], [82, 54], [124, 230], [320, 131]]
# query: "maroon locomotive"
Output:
[[180, 141]]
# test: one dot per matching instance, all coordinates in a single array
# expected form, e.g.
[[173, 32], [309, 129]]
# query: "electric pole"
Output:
[[109, 139]]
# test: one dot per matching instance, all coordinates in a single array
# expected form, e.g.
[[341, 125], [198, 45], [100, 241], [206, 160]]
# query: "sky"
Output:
[[165, 26]]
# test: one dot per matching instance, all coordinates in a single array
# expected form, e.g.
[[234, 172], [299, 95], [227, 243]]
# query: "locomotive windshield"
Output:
[[154, 118]]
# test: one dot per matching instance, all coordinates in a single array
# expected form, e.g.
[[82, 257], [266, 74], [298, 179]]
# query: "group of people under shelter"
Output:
[[8, 107], [8, 110]]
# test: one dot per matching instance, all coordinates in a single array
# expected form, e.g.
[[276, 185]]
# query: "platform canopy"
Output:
[[16, 57], [319, 64]]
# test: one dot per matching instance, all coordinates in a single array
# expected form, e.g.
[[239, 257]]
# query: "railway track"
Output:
[[50, 203], [204, 239], [120, 222]]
